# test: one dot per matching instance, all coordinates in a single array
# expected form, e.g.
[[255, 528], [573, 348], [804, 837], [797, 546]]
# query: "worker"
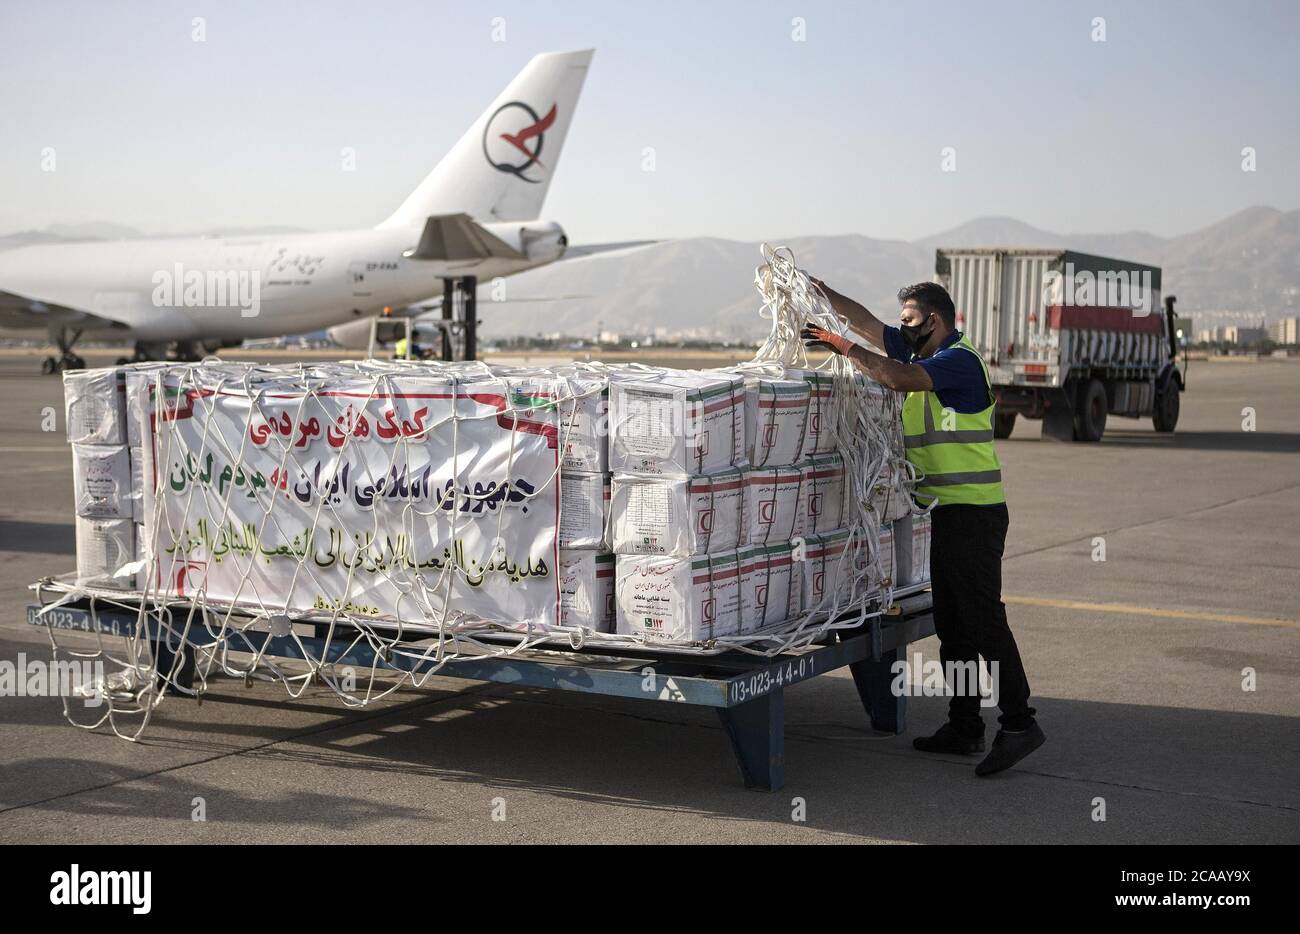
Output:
[[948, 437], [402, 348]]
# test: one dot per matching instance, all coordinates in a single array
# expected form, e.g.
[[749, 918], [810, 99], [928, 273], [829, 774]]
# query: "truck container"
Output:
[[1068, 337]]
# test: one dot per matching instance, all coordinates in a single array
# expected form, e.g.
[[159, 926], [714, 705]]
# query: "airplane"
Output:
[[475, 216]]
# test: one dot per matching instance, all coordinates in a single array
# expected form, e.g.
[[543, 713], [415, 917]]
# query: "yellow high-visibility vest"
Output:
[[399, 349], [954, 450]]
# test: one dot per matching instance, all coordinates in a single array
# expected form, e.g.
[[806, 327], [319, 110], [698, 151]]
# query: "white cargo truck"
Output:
[[1068, 337]]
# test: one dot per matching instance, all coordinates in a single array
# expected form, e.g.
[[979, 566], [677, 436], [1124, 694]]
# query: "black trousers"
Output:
[[969, 616]]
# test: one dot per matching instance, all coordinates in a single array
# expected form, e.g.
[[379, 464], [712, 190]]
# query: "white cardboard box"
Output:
[[587, 590], [819, 432], [776, 419], [676, 515], [919, 572], [101, 481], [824, 491], [912, 548], [584, 509], [95, 406], [833, 572], [769, 586], [676, 422], [774, 505], [889, 501], [583, 404], [662, 598], [105, 546]]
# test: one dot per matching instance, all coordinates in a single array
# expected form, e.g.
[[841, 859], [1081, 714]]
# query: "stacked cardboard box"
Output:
[[823, 412], [105, 497], [677, 447], [912, 544], [586, 569]]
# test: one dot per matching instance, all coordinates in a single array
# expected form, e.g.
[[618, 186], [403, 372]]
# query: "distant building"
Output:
[[1244, 337], [1286, 331]]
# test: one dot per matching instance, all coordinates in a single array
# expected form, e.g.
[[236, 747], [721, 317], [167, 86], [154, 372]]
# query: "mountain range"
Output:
[[1245, 266]]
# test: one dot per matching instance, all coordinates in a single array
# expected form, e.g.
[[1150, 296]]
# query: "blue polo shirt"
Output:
[[957, 376]]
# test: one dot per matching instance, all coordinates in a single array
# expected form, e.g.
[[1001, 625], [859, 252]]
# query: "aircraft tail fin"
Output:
[[501, 168]]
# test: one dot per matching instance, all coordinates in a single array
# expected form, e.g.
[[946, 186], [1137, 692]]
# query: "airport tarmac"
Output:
[[1136, 664]]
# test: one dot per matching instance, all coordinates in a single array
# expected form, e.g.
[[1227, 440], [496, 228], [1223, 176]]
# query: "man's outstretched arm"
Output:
[[893, 374], [855, 313]]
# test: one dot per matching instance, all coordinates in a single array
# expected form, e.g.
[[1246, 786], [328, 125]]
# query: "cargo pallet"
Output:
[[747, 690]]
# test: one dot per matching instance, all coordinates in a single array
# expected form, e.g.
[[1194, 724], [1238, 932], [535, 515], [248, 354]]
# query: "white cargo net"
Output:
[[441, 607]]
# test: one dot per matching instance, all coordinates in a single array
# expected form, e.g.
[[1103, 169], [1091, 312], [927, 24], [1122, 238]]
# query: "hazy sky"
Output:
[[755, 135]]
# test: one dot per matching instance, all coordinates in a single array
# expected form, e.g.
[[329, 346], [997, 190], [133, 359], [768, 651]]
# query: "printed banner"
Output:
[[401, 497]]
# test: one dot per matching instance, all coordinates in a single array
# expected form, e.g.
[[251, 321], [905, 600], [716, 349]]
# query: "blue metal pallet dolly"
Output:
[[748, 691]]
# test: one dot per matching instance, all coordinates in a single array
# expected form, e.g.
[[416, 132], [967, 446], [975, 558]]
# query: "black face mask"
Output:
[[913, 337]]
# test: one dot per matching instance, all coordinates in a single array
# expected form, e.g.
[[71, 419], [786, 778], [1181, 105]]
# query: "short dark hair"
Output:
[[932, 297]]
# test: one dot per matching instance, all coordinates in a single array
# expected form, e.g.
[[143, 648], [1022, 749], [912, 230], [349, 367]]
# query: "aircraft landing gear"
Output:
[[188, 352], [460, 317], [66, 360], [144, 353]]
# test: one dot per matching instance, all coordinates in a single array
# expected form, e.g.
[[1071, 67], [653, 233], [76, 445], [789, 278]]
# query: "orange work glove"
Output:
[[813, 336]]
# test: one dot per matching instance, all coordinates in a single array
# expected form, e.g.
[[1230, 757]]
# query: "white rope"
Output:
[[867, 437]]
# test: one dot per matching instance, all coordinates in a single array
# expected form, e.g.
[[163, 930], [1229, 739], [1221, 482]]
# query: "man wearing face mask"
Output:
[[948, 432]]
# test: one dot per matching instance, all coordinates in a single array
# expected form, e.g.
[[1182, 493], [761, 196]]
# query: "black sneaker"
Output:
[[1010, 748], [949, 741]]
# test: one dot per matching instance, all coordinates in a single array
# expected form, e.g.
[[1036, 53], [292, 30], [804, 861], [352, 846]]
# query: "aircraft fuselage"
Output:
[[228, 288]]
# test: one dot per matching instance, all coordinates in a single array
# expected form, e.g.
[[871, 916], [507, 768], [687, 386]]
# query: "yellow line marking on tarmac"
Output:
[[1152, 611]]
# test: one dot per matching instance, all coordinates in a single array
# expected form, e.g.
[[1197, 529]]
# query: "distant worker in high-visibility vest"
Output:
[[948, 437], [400, 348]]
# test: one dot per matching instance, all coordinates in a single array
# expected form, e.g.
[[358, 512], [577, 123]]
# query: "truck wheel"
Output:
[[1165, 416], [1003, 424], [1090, 418]]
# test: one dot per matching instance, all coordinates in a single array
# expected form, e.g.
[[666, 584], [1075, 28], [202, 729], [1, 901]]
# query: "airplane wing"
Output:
[[462, 224], [591, 249], [19, 311], [457, 238]]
